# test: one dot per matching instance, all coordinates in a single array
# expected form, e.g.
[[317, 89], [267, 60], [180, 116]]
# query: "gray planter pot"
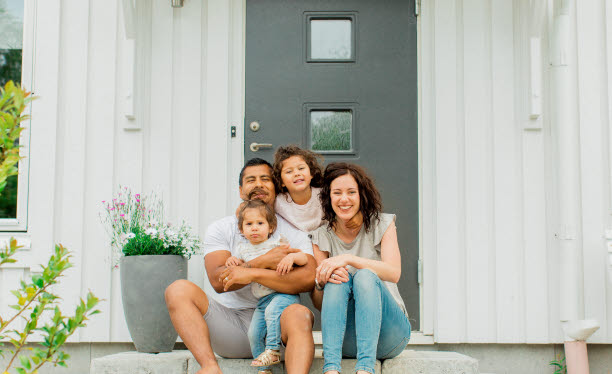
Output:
[[143, 282]]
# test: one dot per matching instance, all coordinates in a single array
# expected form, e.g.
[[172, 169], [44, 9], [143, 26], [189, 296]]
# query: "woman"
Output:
[[362, 312]]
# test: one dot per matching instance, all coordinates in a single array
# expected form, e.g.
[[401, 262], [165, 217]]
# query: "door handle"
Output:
[[257, 146]]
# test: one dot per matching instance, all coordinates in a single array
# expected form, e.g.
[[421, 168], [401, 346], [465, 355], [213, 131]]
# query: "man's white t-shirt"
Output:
[[224, 235]]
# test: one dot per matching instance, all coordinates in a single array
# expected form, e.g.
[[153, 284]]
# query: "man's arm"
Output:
[[270, 259], [215, 265], [301, 279]]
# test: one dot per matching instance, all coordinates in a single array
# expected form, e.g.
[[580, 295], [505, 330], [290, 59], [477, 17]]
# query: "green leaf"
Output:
[[62, 363], [25, 362], [20, 370], [38, 281]]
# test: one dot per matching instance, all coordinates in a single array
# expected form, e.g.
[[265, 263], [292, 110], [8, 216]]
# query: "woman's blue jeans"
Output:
[[265, 330], [361, 319]]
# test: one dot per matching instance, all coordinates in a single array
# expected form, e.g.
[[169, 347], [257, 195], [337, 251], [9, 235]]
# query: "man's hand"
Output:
[[235, 275], [274, 256], [233, 261]]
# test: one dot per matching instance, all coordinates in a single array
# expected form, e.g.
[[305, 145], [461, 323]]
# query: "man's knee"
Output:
[[297, 316], [183, 292]]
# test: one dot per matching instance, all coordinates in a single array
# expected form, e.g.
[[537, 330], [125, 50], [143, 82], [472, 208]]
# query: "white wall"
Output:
[[488, 185], [188, 93], [488, 171]]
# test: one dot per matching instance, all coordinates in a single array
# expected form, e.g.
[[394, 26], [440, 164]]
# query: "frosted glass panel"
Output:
[[330, 39], [331, 130]]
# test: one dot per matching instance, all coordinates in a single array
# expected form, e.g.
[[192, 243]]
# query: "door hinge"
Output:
[[417, 7], [420, 271]]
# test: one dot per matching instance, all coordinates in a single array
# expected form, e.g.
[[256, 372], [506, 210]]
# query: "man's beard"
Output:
[[257, 191]]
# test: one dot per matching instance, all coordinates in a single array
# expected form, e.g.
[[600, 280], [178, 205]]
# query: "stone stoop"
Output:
[[182, 362]]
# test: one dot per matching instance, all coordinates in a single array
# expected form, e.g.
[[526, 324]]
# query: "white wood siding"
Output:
[[487, 171], [488, 194]]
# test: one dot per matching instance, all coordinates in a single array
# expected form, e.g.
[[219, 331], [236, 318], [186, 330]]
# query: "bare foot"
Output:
[[332, 372], [210, 369], [362, 372]]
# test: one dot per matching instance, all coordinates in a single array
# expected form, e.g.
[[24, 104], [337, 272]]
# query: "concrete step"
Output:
[[182, 362]]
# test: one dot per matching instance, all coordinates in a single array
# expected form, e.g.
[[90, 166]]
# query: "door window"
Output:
[[331, 37]]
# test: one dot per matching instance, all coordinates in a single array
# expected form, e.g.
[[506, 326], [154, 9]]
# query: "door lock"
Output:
[[256, 146], [254, 126]]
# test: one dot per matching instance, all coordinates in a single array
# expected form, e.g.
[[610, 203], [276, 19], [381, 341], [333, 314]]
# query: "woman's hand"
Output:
[[340, 275], [328, 266]]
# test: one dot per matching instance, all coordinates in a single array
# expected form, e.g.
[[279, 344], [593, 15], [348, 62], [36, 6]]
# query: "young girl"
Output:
[[299, 174], [257, 223]]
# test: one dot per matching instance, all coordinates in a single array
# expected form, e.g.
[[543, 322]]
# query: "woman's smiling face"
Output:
[[344, 193]]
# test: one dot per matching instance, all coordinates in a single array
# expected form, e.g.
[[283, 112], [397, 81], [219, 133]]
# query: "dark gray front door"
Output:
[[340, 77]]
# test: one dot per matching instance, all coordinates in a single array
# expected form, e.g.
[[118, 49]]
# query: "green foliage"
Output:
[[13, 102], [11, 69], [331, 132], [559, 365], [135, 224], [35, 303], [8, 202]]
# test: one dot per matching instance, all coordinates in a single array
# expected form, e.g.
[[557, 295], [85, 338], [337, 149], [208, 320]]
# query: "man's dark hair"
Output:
[[253, 162]]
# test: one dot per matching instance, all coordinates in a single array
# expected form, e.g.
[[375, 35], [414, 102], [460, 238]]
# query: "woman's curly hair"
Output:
[[312, 160], [370, 204]]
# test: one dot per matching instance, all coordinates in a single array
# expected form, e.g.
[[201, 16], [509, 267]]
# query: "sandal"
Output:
[[267, 357]]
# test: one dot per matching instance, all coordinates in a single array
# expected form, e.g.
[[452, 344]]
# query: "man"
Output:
[[206, 325]]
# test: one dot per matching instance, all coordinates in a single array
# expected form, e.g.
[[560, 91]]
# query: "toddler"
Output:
[[257, 223]]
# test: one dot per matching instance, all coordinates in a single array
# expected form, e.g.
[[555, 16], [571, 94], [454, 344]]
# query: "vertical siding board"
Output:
[[10, 280], [592, 154], [215, 144], [157, 130], [479, 223], [608, 119], [450, 295], [237, 98], [96, 267], [534, 194], [507, 197], [44, 125], [427, 188], [71, 143], [187, 120]]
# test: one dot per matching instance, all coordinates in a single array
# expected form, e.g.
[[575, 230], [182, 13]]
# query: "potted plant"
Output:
[[151, 254]]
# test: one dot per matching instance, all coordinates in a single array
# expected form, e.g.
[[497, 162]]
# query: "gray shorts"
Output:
[[228, 330]]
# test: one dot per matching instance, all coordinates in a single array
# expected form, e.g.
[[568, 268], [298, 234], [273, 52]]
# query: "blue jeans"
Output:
[[265, 330], [361, 319]]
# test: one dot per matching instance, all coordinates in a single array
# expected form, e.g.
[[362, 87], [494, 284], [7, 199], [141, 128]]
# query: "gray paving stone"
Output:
[[348, 366], [430, 362], [142, 363], [231, 366], [182, 362]]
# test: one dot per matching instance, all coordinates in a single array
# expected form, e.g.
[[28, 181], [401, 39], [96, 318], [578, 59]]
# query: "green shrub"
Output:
[[35, 302]]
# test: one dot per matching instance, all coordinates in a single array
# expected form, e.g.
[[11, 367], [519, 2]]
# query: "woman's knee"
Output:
[[365, 277]]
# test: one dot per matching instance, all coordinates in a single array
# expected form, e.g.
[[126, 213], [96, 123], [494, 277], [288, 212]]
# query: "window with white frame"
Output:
[[16, 48]]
